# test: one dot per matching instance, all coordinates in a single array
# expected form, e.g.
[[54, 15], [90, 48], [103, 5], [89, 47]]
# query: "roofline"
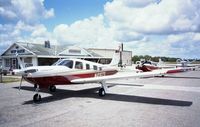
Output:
[[17, 43], [8, 48], [25, 48], [84, 57], [106, 49]]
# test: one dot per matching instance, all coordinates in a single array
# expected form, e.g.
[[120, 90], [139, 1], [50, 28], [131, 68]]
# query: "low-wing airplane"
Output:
[[186, 63], [76, 71], [146, 66]]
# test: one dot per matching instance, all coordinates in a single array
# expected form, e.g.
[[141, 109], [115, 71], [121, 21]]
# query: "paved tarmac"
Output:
[[172, 101]]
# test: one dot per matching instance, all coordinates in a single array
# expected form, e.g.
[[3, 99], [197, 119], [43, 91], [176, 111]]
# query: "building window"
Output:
[[7, 62], [75, 51], [28, 60]]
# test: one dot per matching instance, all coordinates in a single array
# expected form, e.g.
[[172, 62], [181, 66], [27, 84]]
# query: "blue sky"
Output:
[[150, 27], [69, 11]]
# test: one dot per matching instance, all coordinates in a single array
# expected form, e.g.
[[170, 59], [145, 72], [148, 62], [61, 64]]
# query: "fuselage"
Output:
[[171, 69], [65, 70]]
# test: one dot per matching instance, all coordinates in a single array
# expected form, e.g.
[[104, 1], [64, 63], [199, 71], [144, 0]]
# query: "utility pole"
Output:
[[120, 51]]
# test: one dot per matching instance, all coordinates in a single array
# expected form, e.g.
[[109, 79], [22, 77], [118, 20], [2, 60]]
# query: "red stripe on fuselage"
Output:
[[146, 68], [44, 82]]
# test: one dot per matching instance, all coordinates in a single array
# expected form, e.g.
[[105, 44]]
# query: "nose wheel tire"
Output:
[[52, 88], [102, 92], [37, 97]]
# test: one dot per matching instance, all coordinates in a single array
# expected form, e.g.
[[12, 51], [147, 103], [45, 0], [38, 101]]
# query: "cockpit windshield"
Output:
[[68, 63], [57, 62]]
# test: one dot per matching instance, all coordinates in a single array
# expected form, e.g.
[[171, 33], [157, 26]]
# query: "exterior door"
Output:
[[14, 63]]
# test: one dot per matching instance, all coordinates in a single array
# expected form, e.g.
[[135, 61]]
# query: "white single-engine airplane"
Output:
[[76, 71]]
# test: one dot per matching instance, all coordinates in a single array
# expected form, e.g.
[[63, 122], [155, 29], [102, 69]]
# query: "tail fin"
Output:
[[178, 61], [160, 61], [19, 61], [115, 59]]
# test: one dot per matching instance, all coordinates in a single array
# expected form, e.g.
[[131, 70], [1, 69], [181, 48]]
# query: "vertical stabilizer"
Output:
[[115, 59], [160, 62]]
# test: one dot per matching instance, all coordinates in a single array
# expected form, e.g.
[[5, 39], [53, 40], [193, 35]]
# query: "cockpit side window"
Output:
[[87, 66], [68, 63], [95, 67], [79, 65], [100, 68]]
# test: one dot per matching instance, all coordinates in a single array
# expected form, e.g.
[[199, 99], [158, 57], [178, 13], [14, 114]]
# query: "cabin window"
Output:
[[87, 66], [79, 65], [68, 63], [95, 67], [100, 68]]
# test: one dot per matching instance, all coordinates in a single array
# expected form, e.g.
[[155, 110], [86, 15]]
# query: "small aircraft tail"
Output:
[[115, 59], [178, 61], [160, 62]]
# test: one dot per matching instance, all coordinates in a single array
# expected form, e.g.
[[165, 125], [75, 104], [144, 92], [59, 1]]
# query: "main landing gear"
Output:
[[103, 89], [37, 96], [102, 92], [52, 88]]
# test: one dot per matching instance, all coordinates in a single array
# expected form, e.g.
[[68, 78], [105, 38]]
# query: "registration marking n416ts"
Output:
[[100, 74]]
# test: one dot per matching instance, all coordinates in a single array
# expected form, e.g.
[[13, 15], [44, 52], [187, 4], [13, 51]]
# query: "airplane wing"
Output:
[[120, 75]]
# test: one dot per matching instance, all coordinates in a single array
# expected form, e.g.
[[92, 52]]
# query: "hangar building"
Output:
[[46, 54]]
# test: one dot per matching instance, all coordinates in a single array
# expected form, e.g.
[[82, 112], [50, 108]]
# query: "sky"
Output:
[[146, 27]]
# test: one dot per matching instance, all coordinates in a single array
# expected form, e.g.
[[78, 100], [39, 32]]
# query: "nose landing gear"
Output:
[[37, 96], [103, 89], [52, 88]]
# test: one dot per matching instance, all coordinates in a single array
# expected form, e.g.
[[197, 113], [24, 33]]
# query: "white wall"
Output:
[[35, 61], [108, 53]]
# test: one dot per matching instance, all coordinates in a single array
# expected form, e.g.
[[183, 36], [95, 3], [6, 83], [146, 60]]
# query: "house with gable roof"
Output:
[[46, 54]]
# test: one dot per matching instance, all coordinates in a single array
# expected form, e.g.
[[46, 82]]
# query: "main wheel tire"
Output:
[[37, 97], [102, 92], [52, 88]]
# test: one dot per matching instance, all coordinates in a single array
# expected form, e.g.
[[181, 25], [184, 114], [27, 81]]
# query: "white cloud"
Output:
[[164, 27], [24, 17], [39, 30], [22, 32], [89, 32], [29, 11], [153, 27], [138, 3], [7, 13], [169, 16], [49, 13]]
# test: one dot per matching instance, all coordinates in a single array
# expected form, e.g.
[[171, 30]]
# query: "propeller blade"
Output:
[[20, 83]]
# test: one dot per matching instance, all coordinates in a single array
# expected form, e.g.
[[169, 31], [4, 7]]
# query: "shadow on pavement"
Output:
[[178, 77], [92, 93]]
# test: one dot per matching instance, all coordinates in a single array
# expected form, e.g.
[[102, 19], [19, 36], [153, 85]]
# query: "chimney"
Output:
[[122, 46], [47, 44]]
